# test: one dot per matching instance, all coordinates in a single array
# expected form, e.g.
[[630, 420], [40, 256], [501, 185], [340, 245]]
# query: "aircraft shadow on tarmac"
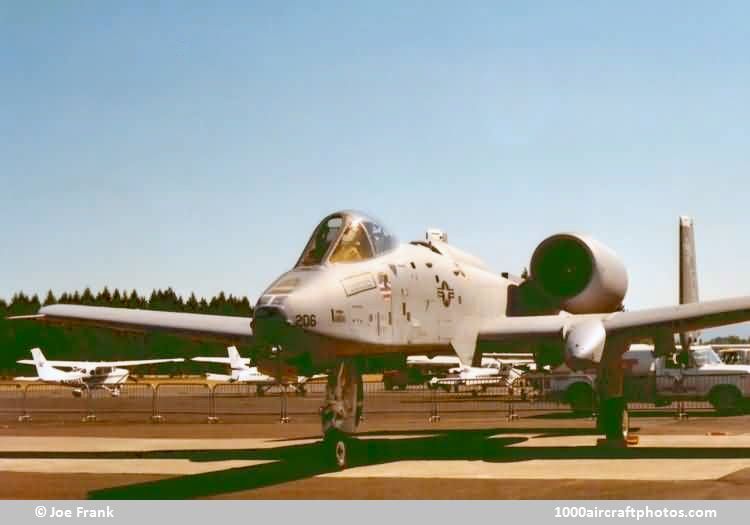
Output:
[[642, 413], [297, 462]]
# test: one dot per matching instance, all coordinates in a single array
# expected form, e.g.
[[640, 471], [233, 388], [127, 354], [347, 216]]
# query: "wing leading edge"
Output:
[[198, 326], [630, 324]]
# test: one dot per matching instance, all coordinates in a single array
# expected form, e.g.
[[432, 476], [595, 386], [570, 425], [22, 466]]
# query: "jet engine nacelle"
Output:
[[580, 274]]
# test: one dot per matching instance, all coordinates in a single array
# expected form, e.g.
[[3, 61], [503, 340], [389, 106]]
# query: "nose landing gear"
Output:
[[342, 412]]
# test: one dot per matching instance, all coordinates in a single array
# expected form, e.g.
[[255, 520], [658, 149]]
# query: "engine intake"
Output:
[[579, 274]]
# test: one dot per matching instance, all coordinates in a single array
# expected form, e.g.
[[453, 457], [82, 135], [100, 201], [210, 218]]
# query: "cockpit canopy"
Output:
[[345, 237]]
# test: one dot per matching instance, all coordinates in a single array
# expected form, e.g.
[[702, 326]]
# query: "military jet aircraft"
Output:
[[89, 375], [355, 292]]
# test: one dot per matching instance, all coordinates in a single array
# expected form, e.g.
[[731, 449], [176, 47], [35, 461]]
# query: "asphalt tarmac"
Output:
[[474, 451]]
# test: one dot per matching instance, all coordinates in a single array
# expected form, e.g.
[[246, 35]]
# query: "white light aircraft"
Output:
[[356, 293], [242, 372], [88, 375]]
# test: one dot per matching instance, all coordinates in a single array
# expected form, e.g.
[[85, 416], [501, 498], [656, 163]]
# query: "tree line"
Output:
[[78, 343]]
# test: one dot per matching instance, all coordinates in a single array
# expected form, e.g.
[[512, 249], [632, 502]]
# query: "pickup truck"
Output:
[[659, 380]]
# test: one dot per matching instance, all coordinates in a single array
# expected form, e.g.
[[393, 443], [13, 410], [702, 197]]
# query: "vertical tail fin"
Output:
[[688, 274], [235, 360], [38, 356], [40, 362]]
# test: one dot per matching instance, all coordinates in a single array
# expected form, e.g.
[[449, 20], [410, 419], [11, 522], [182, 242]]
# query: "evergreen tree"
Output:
[[245, 309], [50, 299], [192, 303], [86, 298], [153, 300], [134, 300], [116, 299], [170, 301], [104, 298]]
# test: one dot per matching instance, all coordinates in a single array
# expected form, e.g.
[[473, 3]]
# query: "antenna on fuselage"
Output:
[[435, 234]]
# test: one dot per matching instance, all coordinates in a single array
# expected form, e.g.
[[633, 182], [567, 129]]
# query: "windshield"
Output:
[[345, 237], [382, 240], [322, 238], [705, 356], [354, 245]]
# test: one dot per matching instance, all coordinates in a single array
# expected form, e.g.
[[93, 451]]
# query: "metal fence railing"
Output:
[[10, 400], [677, 394]]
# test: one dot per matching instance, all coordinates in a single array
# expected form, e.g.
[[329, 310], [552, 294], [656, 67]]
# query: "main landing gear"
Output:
[[342, 412], [613, 420]]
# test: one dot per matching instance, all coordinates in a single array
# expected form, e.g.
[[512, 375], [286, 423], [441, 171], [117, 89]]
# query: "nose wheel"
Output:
[[338, 446], [342, 411]]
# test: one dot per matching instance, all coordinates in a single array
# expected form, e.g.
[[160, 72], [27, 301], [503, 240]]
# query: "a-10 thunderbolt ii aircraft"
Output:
[[241, 372], [355, 292], [88, 375]]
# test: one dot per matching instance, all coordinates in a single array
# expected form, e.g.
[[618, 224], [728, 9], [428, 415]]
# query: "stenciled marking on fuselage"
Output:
[[384, 285], [358, 283], [445, 293], [338, 316], [305, 320]]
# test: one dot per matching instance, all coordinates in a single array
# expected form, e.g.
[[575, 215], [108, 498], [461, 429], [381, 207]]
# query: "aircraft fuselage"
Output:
[[412, 300]]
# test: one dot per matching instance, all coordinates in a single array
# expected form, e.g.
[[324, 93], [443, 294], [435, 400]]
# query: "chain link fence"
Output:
[[676, 395]]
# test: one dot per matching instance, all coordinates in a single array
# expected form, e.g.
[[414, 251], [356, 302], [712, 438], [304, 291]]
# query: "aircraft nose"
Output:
[[269, 323]]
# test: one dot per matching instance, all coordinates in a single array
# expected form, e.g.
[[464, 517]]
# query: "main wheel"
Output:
[[614, 420]]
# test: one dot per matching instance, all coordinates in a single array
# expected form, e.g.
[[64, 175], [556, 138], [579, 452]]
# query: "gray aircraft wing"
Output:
[[680, 318], [630, 324], [198, 326]]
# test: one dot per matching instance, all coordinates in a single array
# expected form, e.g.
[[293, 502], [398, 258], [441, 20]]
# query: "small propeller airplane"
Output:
[[88, 375], [449, 373], [356, 293], [477, 378], [243, 373]]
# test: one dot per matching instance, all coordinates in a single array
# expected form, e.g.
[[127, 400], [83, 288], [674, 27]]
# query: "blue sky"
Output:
[[196, 146]]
